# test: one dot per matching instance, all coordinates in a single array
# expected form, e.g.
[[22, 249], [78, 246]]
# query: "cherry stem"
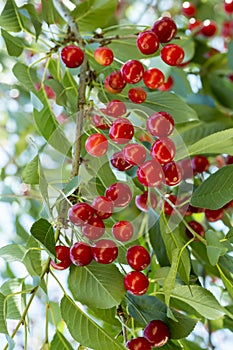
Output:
[[108, 39], [121, 315]]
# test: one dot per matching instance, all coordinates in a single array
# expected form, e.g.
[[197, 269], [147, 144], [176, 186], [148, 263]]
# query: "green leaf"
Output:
[[214, 248], [85, 330], [14, 303], [3, 327], [230, 54], [50, 13], [216, 190], [32, 257], [35, 20], [170, 280], [59, 342], [158, 245], [10, 19], [12, 252], [102, 285], [14, 45], [25, 75], [222, 90], [70, 187], [43, 231], [226, 281], [30, 173]]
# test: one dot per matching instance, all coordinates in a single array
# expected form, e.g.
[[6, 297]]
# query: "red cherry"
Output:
[[214, 215], [191, 210], [186, 167], [99, 120], [167, 85], [209, 28], [132, 71], [173, 173], [137, 94], [116, 81], [123, 230], [121, 131], [160, 124], [172, 54], [229, 159], [228, 6], [72, 56], [96, 145], [94, 229], [136, 282], [139, 343], [147, 42], [227, 29], [116, 108], [167, 208], [81, 254], [103, 55], [103, 207], [138, 257], [157, 333], [195, 24], [134, 153], [230, 77], [150, 173], [188, 9], [119, 193], [143, 202], [63, 255], [80, 213], [165, 28], [197, 227], [109, 88], [119, 162], [163, 150], [199, 164], [104, 251], [153, 78]]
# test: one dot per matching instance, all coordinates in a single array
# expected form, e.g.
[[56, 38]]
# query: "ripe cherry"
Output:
[[138, 257], [99, 120], [229, 159], [103, 207], [208, 28], [103, 55], [167, 85], [116, 108], [150, 173], [195, 24], [160, 124], [81, 254], [186, 167], [172, 54], [228, 6], [116, 81], [153, 78], [188, 9], [119, 162], [143, 202], [163, 150], [109, 88], [139, 343], [119, 193], [157, 333], [121, 131], [96, 145], [147, 42], [80, 213], [137, 94], [123, 230], [165, 28], [227, 29], [94, 229], [104, 251], [63, 255], [136, 282], [214, 215], [199, 164], [72, 56], [134, 153], [173, 173], [167, 208], [197, 227], [132, 71]]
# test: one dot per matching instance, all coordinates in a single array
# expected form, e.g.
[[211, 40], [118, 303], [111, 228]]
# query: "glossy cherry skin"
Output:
[[172, 54], [147, 42], [81, 254], [153, 78], [139, 343], [119, 162], [194, 24], [209, 28], [121, 131], [167, 85], [197, 227], [150, 173], [167, 208], [160, 124], [138, 257], [94, 229], [116, 81], [136, 282], [132, 71], [143, 202], [165, 28], [80, 213], [173, 173], [188, 9], [103, 207], [63, 255], [116, 108], [214, 215], [72, 56], [200, 164], [157, 333], [137, 95], [228, 6], [96, 145], [163, 150], [134, 153], [123, 230], [104, 251], [119, 193], [99, 120], [109, 88], [104, 56]]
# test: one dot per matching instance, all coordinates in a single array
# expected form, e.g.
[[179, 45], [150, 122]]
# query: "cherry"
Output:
[[167, 208], [103, 207], [99, 120], [134, 153], [72, 56], [165, 28], [80, 213], [160, 124], [116, 108], [63, 255], [167, 85], [197, 227], [119, 162], [208, 28], [195, 24], [121, 131], [163, 150], [138, 257], [139, 343], [104, 251], [96, 145], [143, 202], [173, 173], [81, 254], [188, 9], [132, 71], [153, 78], [192, 210], [229, 160], [116, 81], [157, 333], [186, 167], [103, 55], [136, 282], [227, 29], [123, 230], [137, 94], [109, 88], [119, 193], [94, 229], [214, 215], [172, 54], [147, 42], [199, 164], [150, 173], [228, 6]]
